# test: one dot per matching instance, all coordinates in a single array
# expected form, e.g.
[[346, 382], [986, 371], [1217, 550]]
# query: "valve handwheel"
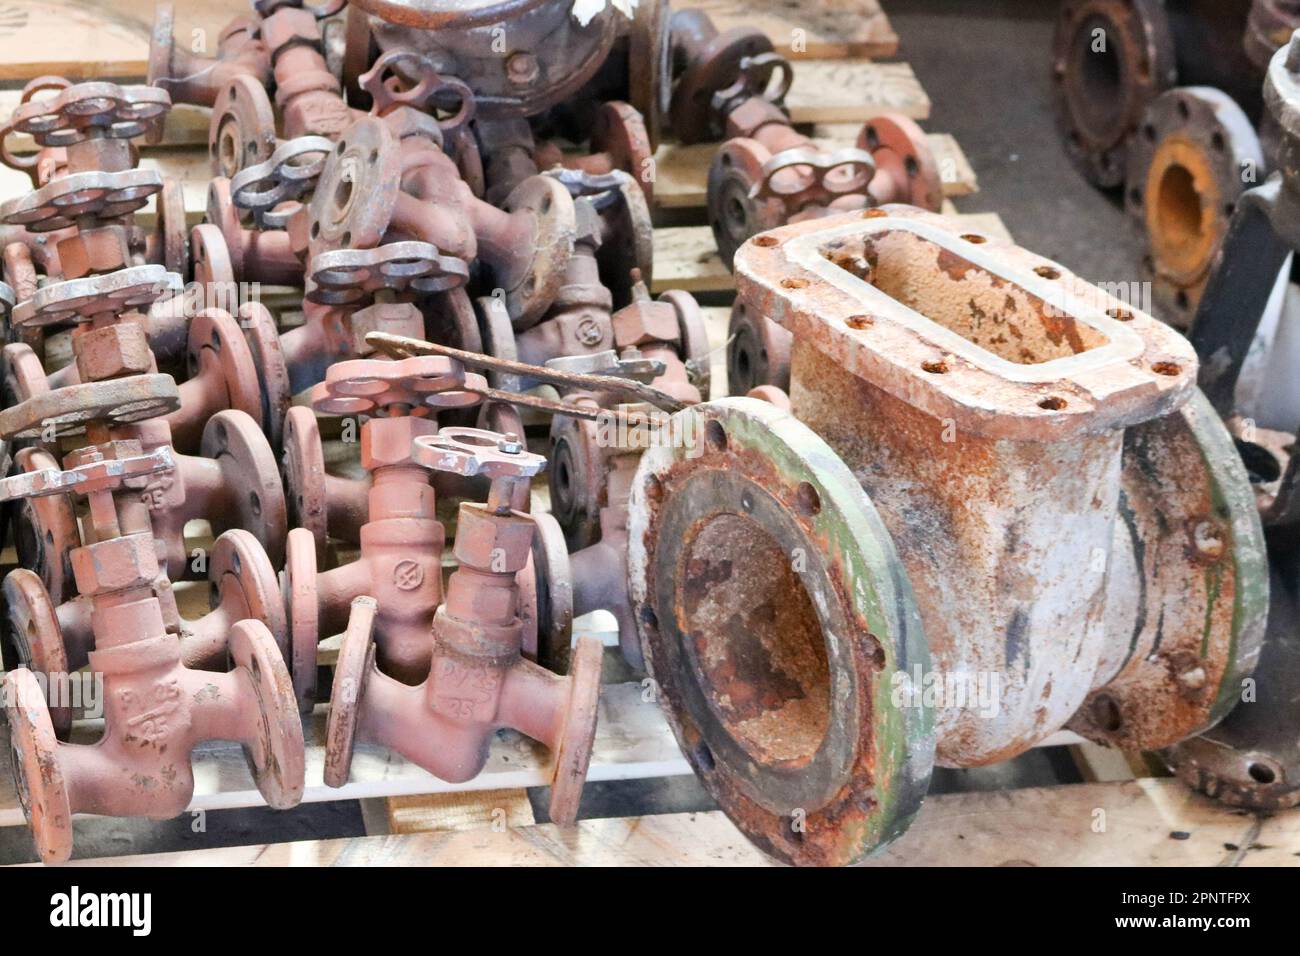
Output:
[[422, 383]]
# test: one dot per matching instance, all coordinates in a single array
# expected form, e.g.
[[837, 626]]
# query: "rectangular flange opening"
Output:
[[986, 309]]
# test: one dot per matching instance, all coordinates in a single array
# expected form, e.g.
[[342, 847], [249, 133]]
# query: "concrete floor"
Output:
[[985, 65]]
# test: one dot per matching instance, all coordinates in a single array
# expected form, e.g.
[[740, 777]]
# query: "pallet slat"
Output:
[[810, 28], [1136, 823]]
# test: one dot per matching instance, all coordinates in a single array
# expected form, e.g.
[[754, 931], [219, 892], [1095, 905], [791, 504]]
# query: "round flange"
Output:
[[213, 268], [627, 241], [356, 662], [298, 590], [735, 212], [758, 351], [498, 334], [276, 755], [302, 461], [694, 337], [241, 132], [1201, 576], [531, 288], [1252, 758], [578, 479], [1110, 59], [619, 130], [216, 337], [36, 635], [554, 587], [1187, 167], [241, 577], [573, 755], [46, 531], [357, 191], [253, 496], [38, 778], [694, 118], [649, 66], [776, 674], [263, 339], [171, 230], [902, 153]]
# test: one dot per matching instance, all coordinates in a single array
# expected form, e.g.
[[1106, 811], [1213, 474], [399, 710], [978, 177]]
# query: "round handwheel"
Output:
[[422, 383], [243, 580], [531, 288], [573, 755], [302, 461], [34, 630], [298, 590], [902, 154], [72, 301], [473, 451], [356, 661], [254, 497], [241, 132], [215, 337], [276, 752], [38, 778], [357, 191], [694, 336], [65, 411], [94, 194], [45, 531], [263, 340]]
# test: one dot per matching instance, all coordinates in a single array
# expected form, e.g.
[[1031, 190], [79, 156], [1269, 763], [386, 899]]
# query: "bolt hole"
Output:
[[715, 436], [935, 367], [654, 489], [1047, 272], [976, 239], [859, 321], [1106, 715], [766, 241], [255, 503], [874, 214], [1052, 403], [1120, 315], [1166, 368], [794, 283], [649, 618], [1261, 773], [1218, 142], [746, 501], [807, 500], [704, 756]]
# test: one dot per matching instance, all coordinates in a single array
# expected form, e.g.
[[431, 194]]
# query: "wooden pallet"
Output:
[[1136, 823]]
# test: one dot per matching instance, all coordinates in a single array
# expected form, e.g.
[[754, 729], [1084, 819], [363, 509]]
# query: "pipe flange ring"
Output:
[[1111, 58], [649, 65], [77, 300], [357, 190], [61, 202], [46, 531], [356, 662], [532, 287], [1187, 170], [253, 496], [35, 634], [263, 340], [241, 132], [901, 151], [38, 776], [774, 673], [298, 589], [276, 755], [73, 114], [422, 383], [240, 576], [353, 276], [302, 462]]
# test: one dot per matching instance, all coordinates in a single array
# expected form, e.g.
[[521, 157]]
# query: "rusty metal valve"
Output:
[[477, 679], [156, 709], [1025, 490]]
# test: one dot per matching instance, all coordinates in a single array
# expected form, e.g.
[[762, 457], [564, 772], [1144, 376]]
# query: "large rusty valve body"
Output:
[[156, 709], [1067, 509], [477, 679], [401, 538]]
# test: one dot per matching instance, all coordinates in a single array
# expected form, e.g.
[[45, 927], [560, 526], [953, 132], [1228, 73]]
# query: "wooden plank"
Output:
[[682, 172], [632, 741], [853, 91], [80, 39], [421, 813], [1136, 823], [810, 28]]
